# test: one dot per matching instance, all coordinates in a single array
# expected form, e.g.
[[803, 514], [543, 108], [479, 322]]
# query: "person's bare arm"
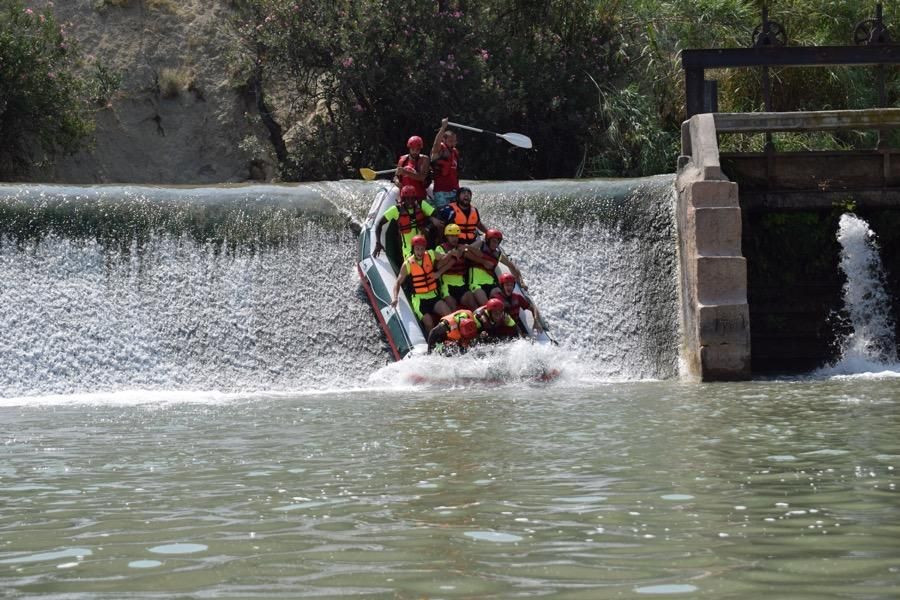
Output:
[[436, 146], [378, 246], [401, 277], [504, 259]]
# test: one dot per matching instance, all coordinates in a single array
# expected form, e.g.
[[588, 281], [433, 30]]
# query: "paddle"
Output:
[[369, 174], [516, 139]]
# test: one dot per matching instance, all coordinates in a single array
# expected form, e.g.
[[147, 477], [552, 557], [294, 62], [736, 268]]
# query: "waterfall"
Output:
[[254, 288], [870, 345]]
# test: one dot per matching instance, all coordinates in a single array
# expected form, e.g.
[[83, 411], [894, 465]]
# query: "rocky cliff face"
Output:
[[179, 116]]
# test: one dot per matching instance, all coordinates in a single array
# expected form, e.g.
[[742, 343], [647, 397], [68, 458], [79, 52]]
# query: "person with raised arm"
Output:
[[444, 167]]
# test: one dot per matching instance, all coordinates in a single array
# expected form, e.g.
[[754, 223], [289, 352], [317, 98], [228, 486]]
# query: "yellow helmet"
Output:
[[452, 229]]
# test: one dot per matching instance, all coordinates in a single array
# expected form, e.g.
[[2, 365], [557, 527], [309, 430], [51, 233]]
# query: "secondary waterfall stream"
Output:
[[871, 344]]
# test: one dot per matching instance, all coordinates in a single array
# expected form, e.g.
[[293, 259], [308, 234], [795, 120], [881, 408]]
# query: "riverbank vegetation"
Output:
[[597, 85]]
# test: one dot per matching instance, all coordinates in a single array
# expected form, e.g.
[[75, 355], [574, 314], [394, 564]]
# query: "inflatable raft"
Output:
[[379, 274]]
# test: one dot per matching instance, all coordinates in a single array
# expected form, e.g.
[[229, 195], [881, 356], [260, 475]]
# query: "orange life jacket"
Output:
[[422, 279], [452, 320], [406, 222], [466, 222]]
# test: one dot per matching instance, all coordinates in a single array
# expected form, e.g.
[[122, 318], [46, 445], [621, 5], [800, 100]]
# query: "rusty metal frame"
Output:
[[696, 62]]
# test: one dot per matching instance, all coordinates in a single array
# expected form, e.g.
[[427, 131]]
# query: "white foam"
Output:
[[517, 362], [870, 350], [123, 398]]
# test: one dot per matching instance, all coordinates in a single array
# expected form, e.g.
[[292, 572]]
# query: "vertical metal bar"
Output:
[[879, 73], [693, 91], [882, 102], [710, 96], [767, 104]]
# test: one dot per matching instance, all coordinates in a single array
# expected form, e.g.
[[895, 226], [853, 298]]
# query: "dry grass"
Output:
[[166, 6], [172, 82], [104, 4]]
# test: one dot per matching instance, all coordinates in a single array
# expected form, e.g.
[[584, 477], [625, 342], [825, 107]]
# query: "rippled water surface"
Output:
[[785, 489]]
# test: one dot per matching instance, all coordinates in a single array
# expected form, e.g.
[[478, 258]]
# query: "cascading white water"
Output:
[[871, 344], [250, 289]]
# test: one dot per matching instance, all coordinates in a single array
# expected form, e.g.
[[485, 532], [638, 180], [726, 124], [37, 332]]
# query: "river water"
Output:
[[195, 402], [572, 490]]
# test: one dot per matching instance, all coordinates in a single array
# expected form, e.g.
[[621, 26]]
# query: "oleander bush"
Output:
[[43, 108]]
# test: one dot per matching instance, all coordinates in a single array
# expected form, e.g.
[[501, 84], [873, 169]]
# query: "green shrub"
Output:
[[104, 84], [41, 97]]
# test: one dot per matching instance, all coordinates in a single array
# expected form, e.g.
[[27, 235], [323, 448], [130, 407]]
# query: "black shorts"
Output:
[[457, 291], [487, 287], [423, 306]]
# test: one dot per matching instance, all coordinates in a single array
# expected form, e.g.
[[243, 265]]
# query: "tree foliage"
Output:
[[597, 84], [41, 106], [348, 81]]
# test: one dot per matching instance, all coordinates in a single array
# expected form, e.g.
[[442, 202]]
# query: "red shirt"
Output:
[[407, 161], [512, 303]]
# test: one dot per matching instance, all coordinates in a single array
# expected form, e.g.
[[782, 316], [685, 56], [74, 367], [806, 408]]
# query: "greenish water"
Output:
[[573, 490]]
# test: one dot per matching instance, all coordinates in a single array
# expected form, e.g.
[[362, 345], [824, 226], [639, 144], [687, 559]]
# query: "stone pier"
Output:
[[715, 313]]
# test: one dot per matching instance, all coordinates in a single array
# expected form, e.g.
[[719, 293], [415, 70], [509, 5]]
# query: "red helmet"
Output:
[[408, 191], [507, 278], [414, 142], [493, 233], [494, 304], [468, 328], [419, 240]]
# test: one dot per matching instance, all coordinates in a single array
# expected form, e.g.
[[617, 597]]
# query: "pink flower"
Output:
[[28, 11], [347, 62], [485, 54]]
